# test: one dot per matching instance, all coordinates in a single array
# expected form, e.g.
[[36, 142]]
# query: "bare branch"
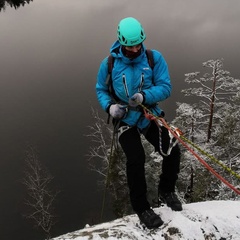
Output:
[[40, 198]]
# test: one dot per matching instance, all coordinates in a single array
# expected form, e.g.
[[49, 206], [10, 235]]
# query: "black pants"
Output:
[[132, 146]]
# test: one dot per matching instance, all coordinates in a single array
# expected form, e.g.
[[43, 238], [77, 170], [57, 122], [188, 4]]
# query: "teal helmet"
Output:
[[130, 32]]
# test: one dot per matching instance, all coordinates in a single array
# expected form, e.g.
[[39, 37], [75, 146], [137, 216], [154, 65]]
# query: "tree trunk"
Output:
[[212, 101]]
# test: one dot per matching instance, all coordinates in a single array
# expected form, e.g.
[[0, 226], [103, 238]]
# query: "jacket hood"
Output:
[[116, 52]]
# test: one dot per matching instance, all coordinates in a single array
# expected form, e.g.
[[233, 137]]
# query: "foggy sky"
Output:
[[75, 33], [50, 51]]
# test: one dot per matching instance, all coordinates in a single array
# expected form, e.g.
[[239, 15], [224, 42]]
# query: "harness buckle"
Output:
[[121, 130]]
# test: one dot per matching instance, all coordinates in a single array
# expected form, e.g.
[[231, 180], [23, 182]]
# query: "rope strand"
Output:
[[211, 157], [177, 134]]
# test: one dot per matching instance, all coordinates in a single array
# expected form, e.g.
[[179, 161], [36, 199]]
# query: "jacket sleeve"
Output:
[[161, 88], [102, 88]]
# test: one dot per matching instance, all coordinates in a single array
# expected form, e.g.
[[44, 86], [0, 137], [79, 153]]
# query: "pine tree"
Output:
[[214, 90], [13, 3], [211, 122]]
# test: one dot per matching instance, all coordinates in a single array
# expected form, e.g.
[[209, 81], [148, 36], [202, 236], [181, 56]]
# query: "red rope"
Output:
[[151, 117]]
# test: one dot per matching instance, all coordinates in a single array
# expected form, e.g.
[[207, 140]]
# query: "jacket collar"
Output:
[[116, 52]]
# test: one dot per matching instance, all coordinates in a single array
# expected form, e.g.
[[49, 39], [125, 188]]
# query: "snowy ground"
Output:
[[218, 220]]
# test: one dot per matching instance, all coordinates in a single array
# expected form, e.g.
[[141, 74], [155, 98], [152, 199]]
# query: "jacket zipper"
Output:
[[125, 85], [141, 82]]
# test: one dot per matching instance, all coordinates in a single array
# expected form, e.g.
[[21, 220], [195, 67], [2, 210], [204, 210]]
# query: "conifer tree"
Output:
[[213, 90], [212, 121]]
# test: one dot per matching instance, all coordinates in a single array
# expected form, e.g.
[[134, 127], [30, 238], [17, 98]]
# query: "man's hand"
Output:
[[117, 111], [135, 99]]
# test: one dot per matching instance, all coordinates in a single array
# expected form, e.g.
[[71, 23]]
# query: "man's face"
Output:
[[134, 48]]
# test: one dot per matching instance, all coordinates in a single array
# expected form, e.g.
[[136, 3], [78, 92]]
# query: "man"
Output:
[[133, 82]]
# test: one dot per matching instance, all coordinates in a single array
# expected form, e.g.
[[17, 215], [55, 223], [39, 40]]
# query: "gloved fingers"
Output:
[[123, 106], [117, 111], [135, 99]]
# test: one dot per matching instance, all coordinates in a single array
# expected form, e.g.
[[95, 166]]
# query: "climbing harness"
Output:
[[179, 136], [122, 129]]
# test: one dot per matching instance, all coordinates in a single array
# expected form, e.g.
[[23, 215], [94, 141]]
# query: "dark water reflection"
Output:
[[46, 92], [13, 3], [50, 52]]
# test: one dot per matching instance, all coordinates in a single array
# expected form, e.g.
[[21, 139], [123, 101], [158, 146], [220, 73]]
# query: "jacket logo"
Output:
[[146, 68]]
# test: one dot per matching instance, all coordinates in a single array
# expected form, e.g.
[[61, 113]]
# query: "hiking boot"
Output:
[[150, 219], [170, 198]]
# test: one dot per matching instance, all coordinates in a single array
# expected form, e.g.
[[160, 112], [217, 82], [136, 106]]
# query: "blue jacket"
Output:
[[132, 76]]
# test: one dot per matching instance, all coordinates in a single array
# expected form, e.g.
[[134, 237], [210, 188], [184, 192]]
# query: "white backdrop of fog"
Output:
[[50, 51]]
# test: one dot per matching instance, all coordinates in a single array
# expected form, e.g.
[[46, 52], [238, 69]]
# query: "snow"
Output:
[[218, 220]]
